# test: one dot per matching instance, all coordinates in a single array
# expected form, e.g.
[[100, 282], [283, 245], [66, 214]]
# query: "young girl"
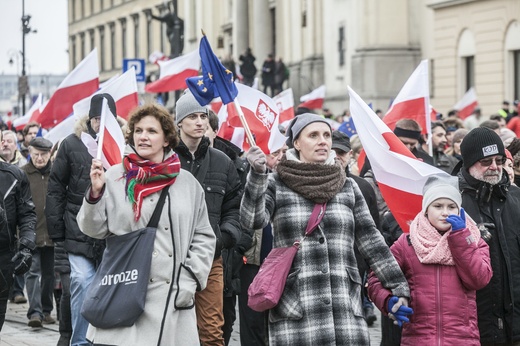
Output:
[[445, 261]]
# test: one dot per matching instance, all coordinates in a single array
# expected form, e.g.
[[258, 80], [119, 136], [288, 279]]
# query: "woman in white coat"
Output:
[[122, 200]]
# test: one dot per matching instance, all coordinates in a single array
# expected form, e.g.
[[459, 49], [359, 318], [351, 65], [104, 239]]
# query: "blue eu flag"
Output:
[[348, 127], [216, 80]]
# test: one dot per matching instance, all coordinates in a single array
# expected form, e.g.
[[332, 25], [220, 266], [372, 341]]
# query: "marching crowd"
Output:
[[452, 279]]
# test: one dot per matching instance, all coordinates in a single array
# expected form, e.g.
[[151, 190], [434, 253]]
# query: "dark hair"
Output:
[[514, 146], [28, 126], [161, 114], [408, 124], [496, 117], [438, 124], [490, 124], [213, 120]]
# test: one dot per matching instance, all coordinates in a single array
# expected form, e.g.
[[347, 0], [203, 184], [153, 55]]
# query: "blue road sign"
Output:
[[138, 65]]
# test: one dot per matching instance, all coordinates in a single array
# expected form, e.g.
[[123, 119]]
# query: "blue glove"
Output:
[[458, 223], [398, 310]]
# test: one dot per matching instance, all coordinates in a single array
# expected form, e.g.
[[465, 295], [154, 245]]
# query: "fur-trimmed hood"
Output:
[[83, 125]]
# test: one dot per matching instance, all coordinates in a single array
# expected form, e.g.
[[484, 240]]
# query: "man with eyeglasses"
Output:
[[490, 199], [219, 178]]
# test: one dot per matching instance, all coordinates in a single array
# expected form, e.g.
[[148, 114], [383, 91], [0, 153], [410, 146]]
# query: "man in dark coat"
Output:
[[69, 179], [248, 68], [40, 278], [16, 211], [218, 176], [490, 199], [268, 70]]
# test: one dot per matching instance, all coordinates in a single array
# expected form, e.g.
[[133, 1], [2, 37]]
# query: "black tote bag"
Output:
[[117, 294]]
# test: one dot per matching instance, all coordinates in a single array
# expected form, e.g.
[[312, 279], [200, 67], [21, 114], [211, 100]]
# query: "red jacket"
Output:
[[442, 297]]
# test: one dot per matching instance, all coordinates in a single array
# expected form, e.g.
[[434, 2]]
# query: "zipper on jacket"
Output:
[[439, 305], [165, 313]]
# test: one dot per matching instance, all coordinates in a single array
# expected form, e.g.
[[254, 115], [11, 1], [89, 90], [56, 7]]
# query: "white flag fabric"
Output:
[[400, 176], [467, 104]]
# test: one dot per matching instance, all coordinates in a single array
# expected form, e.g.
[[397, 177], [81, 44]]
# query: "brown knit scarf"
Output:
[[316, 182]]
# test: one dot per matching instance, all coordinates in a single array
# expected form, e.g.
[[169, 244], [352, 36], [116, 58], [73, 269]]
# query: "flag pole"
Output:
[[101, 133], [242, 118]]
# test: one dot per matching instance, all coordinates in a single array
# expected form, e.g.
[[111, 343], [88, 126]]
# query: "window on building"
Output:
[[73, 10], [469, 72], [91, 7], [112, 43], [516, 74], [82, 9], [123, 36], [73, 47], [341, 45], [100, 5], [82, 44], [148, 35], [92, 39], [102, 47], [135, 17]]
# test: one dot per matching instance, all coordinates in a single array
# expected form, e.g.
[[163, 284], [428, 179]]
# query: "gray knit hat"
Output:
[[441, 186], [299, 123], [186, 105]]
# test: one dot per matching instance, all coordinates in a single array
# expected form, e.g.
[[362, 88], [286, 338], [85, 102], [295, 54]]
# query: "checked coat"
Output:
[[321, 302]]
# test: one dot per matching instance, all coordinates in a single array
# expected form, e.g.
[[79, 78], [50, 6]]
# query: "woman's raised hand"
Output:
[[97, 177]]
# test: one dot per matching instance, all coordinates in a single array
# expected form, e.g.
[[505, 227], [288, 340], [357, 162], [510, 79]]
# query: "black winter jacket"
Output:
[[498, 304], [16, 210], [219, 179], [69, 179]]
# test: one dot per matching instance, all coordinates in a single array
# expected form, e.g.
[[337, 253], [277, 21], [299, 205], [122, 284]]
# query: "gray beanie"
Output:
[[186, 105], [441, 186], [299, 123]]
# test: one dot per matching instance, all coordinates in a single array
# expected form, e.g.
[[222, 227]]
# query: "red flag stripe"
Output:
[[410, 109], [61, 102], [111, 149], [468, 110], [171, 82], [312, 104], [126, 104]]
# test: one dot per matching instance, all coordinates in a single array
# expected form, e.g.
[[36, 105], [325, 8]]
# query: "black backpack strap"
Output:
[[154, 221]]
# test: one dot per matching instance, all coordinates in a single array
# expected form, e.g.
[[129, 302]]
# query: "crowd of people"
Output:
[[452, 279]]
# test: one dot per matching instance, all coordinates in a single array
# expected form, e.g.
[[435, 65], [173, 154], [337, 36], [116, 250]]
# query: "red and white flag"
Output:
[[285, 103], [111, 142], [314, 99], [413, 101], [20, 123], [400, 176], [123, 90], [79, 83], [174, 73], [261, 114], [467, 104]]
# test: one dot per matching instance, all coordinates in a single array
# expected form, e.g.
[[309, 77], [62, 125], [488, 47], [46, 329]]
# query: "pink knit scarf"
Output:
[[432, 247]]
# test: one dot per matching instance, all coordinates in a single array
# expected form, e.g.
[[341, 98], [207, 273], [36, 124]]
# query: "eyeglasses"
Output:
[[498, 160]]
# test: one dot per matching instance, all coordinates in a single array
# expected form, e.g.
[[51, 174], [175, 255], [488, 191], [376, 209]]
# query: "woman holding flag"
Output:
[[321, 302], [122, 200]]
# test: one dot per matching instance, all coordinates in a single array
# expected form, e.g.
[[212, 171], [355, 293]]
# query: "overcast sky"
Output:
[[46, 50]]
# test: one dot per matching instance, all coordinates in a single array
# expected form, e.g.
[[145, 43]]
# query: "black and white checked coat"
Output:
[[321, 303]]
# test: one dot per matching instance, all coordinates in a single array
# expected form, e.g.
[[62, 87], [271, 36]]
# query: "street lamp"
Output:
[[23, 84]]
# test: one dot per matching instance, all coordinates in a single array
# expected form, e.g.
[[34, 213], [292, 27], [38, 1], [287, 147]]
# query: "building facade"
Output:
[[371, 45]]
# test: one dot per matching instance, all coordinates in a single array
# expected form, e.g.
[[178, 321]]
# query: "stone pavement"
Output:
[[16, 332]]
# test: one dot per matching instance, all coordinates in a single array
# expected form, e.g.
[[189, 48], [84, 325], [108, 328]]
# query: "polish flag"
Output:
[[174, 73], [413, 101], [62, 130], [111, 141], [314, 99], [400, 176], [261, 114], [467, 104], [285, 103], [20, 123], [79, 83], [122, 89]]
